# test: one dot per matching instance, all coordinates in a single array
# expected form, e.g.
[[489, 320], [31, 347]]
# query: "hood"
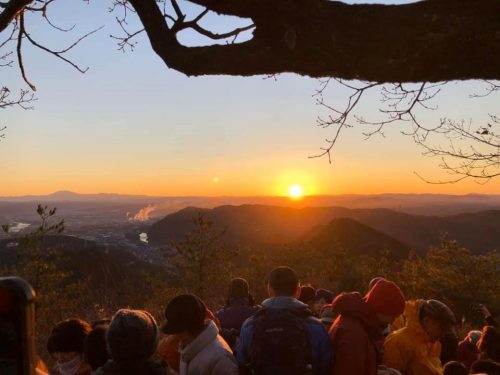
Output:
[[353, 305], [412, 314], [412, 311], [208, 335], [282, 302]]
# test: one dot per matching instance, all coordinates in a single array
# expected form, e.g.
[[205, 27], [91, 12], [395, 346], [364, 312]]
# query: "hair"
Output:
[[284, 281], [95, 350], [489, 343], [455, 368], [438, 311], [68, 336], [238, 289], [484, 366], [307, 293]]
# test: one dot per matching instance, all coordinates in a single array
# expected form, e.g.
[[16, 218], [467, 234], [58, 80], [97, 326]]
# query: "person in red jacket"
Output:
[[360, 323], [468, 353]]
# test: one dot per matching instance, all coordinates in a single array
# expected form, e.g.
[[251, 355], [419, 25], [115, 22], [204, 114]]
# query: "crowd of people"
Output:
[[297, 330]]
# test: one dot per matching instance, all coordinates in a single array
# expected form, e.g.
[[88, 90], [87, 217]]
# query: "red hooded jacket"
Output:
[[353, 336]]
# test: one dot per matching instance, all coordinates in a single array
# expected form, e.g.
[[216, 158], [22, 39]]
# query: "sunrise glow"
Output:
[[295, 191]]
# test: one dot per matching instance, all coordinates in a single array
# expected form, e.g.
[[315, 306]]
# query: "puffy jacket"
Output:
[[354, 334], [208, 354], [319, 340], [234, 315], [410, 349]]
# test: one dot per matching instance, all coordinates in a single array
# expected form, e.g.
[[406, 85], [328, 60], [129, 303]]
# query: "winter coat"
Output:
[[148, 367], [319, 340], [208, 354], [354, 335], [234, 315], [168, 347], [468, 353], [410, 349], [168, 350]]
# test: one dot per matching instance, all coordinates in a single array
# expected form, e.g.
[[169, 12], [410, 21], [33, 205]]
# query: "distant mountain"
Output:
[[260, 225], [355, 237]]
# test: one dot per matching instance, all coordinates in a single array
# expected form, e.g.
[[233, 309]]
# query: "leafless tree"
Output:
[[407, 51]]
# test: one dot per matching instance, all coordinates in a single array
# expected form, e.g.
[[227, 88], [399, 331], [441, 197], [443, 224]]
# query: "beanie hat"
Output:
[[474, 336], [185, 312], [386, 298], [307, 294], [325, 294], [132, 335], [68, 336]]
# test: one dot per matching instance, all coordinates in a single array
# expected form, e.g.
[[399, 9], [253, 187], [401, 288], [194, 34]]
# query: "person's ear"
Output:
[[297, 292], [270, 291]]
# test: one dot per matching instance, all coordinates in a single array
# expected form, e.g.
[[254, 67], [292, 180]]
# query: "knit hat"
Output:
[[132, 336], [474, 336], [386, 298], [185, 312], [68, 336], [325, 294]]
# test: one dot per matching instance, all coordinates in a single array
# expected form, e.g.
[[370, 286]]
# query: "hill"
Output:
[[264, 225], [355, 237]]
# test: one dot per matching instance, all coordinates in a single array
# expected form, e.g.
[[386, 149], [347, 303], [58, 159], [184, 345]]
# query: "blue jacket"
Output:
[[319, 339]]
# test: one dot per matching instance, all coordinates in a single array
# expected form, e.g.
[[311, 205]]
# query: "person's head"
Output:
[[66, 340], [386, 300], [65, 345], [437, 319], [239, 289], [489, 344], [485, 366], [327, 316], [323, 297], [283, 281], [455, 368], [185, 317], [95, 351], [132, 336], [473, 337]]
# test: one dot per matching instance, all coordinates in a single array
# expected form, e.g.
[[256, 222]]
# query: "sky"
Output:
[[131, 125]]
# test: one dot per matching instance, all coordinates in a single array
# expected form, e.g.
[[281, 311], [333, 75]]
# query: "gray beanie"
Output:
[[132, 336]]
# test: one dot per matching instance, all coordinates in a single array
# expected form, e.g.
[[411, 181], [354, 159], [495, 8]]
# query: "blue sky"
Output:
[[132, 125]]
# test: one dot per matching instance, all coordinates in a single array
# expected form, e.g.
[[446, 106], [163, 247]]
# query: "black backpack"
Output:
[[280, 343]]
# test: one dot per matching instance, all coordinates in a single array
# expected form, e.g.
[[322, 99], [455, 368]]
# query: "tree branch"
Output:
[[422, 41]]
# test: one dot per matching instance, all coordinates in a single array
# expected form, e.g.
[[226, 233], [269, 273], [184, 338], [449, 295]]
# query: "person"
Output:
[[308, 296], [489, 344], [239, 306], [95, 351], [485, 367], [283, 337], [65, 346], [359, 326], [415, 349], [202, 350], [323, 297], [468, 353], [327, 316], [131, 338], [168, 347], [455, 368]]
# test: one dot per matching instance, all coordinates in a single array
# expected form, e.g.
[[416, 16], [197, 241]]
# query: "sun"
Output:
[[295, 191]]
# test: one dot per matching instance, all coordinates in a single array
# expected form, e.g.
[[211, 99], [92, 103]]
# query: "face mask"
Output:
[[70, 367]]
